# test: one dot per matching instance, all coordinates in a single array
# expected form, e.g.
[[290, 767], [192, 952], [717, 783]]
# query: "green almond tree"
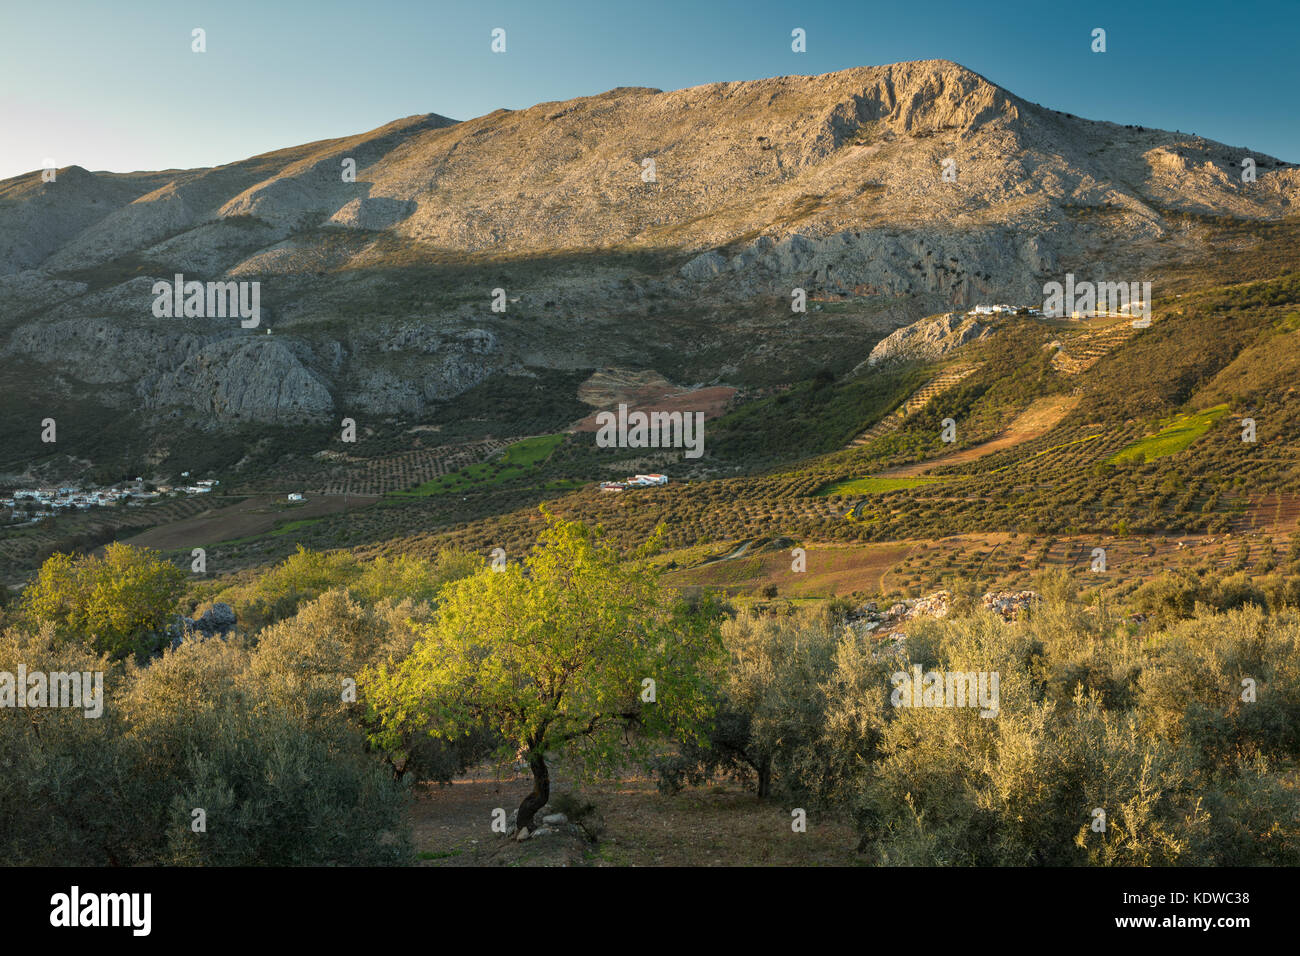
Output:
[[114, 603], [574, 652]]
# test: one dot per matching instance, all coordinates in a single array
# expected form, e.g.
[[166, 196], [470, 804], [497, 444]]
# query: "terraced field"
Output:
[[1273, 513], [1083, 350], [337, 475], [1053, 454], [915, 402], [830, 569], [1037, 420], [513, 462], [250, 517]]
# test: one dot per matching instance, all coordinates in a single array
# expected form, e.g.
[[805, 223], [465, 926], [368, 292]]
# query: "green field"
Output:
[[874, 486], [564, 484], [512, 463], [1174, 436]]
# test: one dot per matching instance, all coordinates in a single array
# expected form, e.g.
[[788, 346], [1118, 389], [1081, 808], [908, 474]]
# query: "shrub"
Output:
[[201, 727], [781, 677], [118, 603]]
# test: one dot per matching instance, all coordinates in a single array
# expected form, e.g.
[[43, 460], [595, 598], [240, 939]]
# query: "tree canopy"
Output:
[[114, 602], [564, 652]]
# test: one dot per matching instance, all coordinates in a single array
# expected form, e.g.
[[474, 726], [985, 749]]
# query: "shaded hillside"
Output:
[[377, 294]]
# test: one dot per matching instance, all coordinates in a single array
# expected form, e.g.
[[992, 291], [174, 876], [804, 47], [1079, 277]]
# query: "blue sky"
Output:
[[114, 85]]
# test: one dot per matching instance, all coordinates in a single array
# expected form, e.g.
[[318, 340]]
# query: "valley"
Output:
[[649, 487]]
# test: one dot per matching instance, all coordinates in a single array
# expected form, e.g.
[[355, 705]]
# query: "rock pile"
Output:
[[1009, 604], [869, 619], [550, 823]]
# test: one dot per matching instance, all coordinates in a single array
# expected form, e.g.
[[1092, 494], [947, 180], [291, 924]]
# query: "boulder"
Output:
[[217, 621]]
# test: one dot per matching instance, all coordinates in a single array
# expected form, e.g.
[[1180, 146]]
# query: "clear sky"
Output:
[[114, 85]]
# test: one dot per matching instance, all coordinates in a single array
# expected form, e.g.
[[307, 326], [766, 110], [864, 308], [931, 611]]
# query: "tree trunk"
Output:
[[541, 790], [764, 780]]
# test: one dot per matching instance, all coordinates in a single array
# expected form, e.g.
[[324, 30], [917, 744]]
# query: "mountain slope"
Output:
[[377, 290]]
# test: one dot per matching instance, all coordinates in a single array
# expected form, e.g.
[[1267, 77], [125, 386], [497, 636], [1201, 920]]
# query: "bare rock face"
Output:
[[929, 339], [105, 350], [253, 378], [704, 266], [402, 370], [858, 150]]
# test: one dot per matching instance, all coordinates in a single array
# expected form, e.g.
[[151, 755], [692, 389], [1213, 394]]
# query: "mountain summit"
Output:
[[859, 148]]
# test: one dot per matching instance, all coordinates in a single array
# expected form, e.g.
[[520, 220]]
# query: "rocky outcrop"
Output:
[[1009, 605], [253, 378], [704, 266], [946, 268], [930, 339], [106, 350], [870, 619], [32, 289]]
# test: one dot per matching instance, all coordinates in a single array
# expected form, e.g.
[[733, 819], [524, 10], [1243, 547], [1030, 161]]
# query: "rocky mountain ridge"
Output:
[[626, 229]]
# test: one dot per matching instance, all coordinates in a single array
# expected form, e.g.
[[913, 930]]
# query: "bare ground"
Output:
[[721, 825], [250, 517]]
